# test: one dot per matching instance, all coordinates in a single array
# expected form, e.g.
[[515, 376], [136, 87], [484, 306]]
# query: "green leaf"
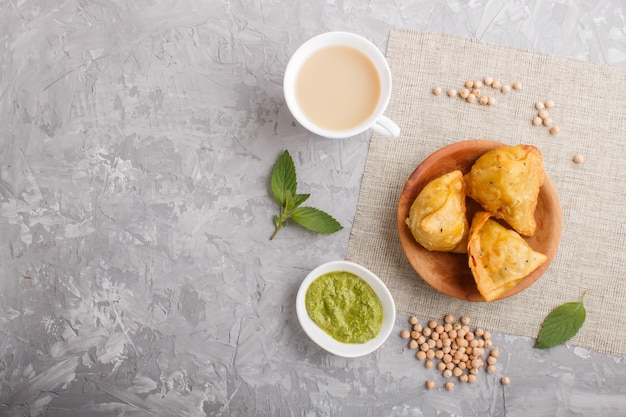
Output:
[[561, 324], [284, 184], [315, 220], [298, 199], [283, 180]]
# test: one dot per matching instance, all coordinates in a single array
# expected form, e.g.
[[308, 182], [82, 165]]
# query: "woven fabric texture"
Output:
[[591, 114]]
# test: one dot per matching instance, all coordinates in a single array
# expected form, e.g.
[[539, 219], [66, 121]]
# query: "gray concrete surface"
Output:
[[137, 277]]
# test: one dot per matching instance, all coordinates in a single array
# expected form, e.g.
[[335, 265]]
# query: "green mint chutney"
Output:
[[345, 307]]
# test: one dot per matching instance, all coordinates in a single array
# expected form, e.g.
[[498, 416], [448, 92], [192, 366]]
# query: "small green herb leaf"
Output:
[[298, 199], [561, 324], [315, 220], [284, 178], [284, 184]]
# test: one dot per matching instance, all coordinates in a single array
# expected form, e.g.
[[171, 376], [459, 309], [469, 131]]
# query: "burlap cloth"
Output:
[[590, 112]]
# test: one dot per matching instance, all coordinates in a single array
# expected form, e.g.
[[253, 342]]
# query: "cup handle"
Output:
[[386, 127]]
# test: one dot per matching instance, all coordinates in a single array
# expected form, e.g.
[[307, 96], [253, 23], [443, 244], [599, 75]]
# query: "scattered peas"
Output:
[[449, 386], [517, 85], [451, 92], [453, 348], [505, 380], [430, 384], [554, 130], [505, 89], [579, 159], [437, 91], [549, 104]]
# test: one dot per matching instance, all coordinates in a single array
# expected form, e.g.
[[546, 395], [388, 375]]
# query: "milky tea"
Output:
[[338, 87]]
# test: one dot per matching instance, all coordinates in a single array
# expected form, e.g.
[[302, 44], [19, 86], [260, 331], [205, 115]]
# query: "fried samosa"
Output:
[[498, 257], [506, 182], [437, 216]]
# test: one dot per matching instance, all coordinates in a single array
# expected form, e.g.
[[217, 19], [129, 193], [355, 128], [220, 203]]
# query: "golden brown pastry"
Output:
[[498, 257], [437, 216], [506, 182]]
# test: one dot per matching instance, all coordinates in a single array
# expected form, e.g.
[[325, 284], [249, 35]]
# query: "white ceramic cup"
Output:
[[376, 121]]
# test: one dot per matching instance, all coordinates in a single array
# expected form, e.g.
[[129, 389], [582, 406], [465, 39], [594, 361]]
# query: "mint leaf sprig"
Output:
[[561, 324], [284, 188]]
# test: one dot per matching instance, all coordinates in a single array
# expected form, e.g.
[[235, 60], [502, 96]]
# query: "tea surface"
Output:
[[338, 88]]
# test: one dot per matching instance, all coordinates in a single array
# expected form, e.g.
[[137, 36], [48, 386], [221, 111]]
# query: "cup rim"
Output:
[[304, 51]]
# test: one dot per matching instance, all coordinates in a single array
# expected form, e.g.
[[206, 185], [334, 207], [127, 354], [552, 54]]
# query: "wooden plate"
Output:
[[449, 273]]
